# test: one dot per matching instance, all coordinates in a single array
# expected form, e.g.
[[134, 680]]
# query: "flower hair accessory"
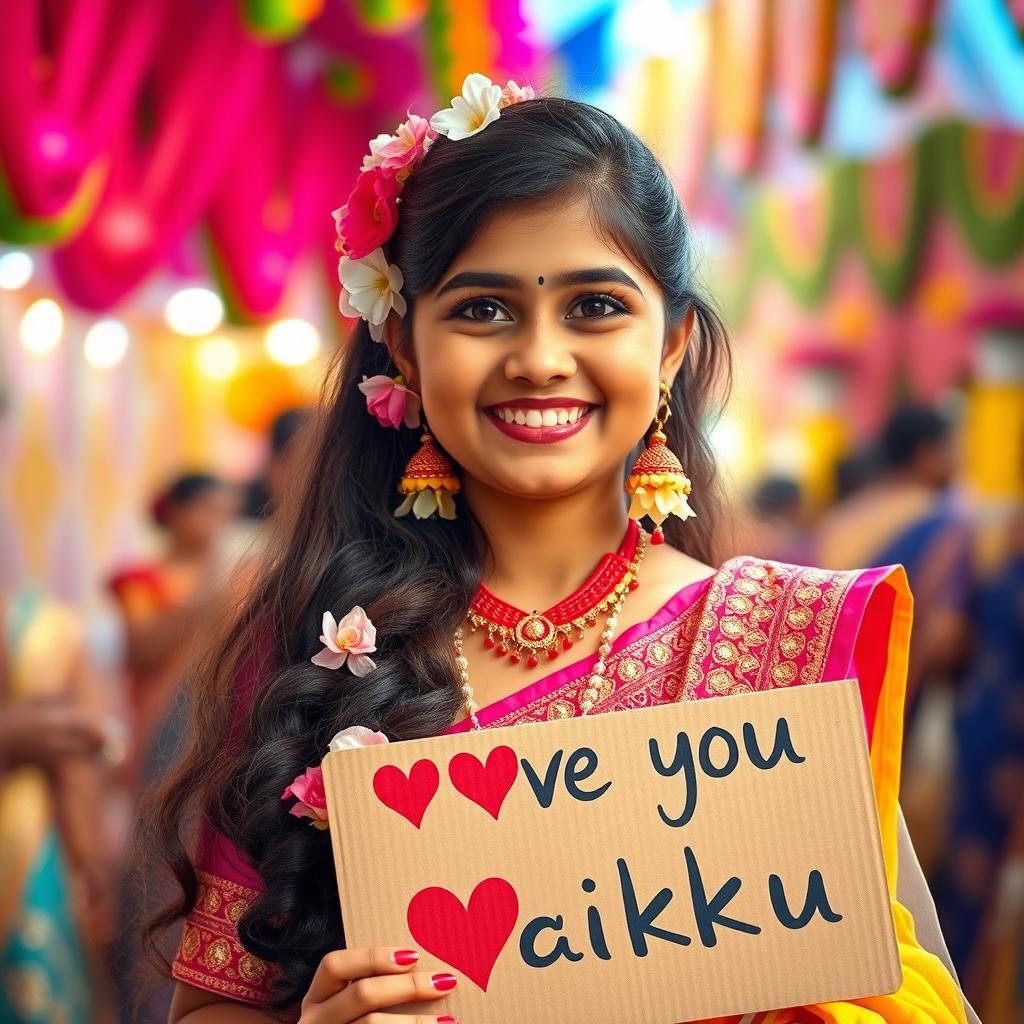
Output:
[[391, 401], [308, 788], [370, 286], [347, 642]]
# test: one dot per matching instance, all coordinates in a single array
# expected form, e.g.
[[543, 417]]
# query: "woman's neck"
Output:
[[541, 550]]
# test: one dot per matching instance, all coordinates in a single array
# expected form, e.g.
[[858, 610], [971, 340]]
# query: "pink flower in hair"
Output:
[[407, 147], [391, 401], [514, 93], [369, 217], [350, 642], [311, 798]]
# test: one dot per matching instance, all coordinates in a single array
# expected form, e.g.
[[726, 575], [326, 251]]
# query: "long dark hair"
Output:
[[341, 545]]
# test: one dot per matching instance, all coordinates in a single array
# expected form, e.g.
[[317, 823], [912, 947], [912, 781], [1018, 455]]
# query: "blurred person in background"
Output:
[[979, 886], [909, 515], [57, 744], [140, 999], [163, 602], [780, 529], [283, 464]]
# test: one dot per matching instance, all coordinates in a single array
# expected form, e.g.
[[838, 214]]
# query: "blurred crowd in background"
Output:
[[855, 171]]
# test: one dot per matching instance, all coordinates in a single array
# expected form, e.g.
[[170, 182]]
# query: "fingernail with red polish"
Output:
[[447, 1020], [443, 982], [404, 957]]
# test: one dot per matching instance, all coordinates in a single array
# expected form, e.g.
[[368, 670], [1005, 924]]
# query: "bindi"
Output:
[[540, 280]]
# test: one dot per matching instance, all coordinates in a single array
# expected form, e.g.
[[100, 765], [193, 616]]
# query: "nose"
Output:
[[540, 357]]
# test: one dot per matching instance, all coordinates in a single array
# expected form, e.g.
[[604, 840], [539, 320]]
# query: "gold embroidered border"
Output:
[[210, 955]]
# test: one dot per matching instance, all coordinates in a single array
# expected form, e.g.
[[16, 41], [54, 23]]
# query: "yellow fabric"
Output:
[[928, 993]]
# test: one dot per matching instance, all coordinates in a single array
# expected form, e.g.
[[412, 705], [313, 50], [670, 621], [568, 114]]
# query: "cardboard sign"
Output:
[[660, 865]]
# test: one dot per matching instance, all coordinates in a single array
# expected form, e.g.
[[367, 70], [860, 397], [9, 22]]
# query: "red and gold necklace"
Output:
[[525, 636]]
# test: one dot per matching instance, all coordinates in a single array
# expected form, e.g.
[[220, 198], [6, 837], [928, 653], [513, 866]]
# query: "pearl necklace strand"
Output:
[[597, 676]]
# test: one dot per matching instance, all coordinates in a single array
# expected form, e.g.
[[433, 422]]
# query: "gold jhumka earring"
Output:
[[657, 485], [428, 483]]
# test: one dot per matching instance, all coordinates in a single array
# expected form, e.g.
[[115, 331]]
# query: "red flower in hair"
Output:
[[369, 217]]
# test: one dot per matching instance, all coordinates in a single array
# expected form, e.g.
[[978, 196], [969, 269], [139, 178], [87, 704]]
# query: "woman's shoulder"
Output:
[[755, 567]]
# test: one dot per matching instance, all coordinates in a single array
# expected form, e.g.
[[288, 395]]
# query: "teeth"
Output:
[[540, 417]]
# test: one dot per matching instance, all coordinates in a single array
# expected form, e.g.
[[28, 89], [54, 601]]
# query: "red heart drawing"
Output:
[[409, 796], [467, 938], [486, 785]]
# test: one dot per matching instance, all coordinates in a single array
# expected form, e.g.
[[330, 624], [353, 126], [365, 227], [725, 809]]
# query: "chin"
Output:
[[539, 486]]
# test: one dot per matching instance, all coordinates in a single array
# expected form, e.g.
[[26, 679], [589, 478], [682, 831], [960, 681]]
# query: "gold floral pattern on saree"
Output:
[[758, 625], [764, 625], [210, 955]]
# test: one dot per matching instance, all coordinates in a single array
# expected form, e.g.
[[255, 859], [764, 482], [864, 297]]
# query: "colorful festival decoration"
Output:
[[804, 51], [894, 35], [985, 186], [891, 201], [798, 233], [64, 98], [742, 50], [884, 209], [270, 207], [206, 80]]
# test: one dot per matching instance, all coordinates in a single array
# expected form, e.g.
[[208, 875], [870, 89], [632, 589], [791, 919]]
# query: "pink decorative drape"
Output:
[[63, 99], [207, 76]]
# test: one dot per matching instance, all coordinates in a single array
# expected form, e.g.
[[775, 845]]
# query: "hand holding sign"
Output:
[[349, 984]]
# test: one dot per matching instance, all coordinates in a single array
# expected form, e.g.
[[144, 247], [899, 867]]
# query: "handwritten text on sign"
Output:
[[553, 866]]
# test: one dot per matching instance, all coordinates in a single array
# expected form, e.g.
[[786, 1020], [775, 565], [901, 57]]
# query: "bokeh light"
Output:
[[292, 342], [194, 311], [42, 326], [16, 269], [106, 343], [217, 358]]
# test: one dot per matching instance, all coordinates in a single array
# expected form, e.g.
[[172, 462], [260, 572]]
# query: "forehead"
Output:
[[543, 239]]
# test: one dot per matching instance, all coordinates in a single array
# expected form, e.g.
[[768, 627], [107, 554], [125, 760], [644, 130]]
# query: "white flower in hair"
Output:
[[371, 288], [479, 105], [372, 159]]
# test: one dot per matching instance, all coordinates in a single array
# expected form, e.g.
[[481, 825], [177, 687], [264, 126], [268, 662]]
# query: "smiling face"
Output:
[[539, 352]]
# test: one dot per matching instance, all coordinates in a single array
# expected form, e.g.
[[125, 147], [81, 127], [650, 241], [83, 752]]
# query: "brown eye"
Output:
[[483, 311], [595, 307]]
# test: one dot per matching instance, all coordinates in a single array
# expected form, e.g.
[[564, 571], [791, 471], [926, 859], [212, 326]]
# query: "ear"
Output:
[[675, 346], [401, 355]]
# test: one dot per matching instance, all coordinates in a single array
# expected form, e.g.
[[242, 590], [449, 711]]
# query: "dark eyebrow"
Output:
[[595, 275], [478, 279], [592, 275]]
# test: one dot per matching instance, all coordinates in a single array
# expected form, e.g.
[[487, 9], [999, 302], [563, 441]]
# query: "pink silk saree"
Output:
[[753, 625]]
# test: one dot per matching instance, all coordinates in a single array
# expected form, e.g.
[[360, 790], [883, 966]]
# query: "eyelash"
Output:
[[619, 307]]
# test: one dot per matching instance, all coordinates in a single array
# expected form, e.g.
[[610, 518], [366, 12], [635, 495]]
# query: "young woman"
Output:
[[533, 286]]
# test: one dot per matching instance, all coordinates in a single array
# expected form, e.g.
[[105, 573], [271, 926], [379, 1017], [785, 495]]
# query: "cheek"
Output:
[[629, 381]]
